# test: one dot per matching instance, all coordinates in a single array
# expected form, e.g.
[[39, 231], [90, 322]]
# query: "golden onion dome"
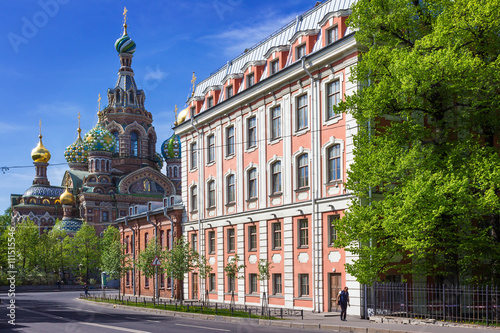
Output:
[[40, 153], [182, 116], [67, 198]]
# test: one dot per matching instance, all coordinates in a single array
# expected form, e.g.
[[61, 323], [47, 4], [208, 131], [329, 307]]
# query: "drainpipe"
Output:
[[133, 253], [171, 244], [148, 218], [200, 234], [314, 235]]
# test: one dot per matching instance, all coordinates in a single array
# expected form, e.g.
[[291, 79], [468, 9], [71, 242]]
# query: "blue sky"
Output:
[[58, 55]]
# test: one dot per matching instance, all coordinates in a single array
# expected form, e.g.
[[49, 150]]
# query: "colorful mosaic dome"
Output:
[[99, 139], [125, 44], [70, 225], [43, 191], [77, 152], [159, 161], [171, 148]]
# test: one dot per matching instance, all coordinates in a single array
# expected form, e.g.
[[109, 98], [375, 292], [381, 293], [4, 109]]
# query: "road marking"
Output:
[[113, 327], [205, 328], [136, 319]]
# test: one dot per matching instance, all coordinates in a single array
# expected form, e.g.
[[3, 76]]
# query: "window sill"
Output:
[[303, 247], [251, 199], [193, 169], [276, 249], [209, 164], [250, 149], [303, 298], [212, 292], [231, 204], [276, 296], [301, 131], [194, 211], [334, 182], [274, 141], [229, 293], [302, 189], [276, 195], [254, 294], [229, 157], [211, 208], [333, 120], [252, 250]]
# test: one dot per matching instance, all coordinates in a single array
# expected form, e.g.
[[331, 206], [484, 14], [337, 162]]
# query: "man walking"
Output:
[[343, 298], [86, 288]]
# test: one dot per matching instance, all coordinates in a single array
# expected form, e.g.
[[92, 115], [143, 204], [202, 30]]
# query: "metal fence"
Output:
[[467, 304]]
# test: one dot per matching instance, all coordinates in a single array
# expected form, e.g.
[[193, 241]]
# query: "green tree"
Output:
[[146, 258], [180, 260], [232, 270], [114, 260], [61, 249], [264, 275], [204, 269], [27, 237], [426, 172], [5, 223], [85, 250]]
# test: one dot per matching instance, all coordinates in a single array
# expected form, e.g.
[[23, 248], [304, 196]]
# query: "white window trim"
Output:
[[208, 180], [327, 32], [207, 135], [269, 116], [246, 79], [333, 77], [299, 46], [194, 184], [224, 148], [293, 101], [245, 131], [193, 168], [324, 156], [274, 159], [226, 175], [295, 174], [245, 174]]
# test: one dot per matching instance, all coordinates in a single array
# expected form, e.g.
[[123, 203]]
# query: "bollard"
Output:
[[215, 308], [249, 313]]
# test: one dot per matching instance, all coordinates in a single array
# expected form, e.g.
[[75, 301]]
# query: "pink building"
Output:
[[264, 160]]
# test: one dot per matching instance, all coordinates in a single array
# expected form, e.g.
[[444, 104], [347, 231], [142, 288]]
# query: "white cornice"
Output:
[[338, 13], [277, 48], [308, 32], [253, 63]]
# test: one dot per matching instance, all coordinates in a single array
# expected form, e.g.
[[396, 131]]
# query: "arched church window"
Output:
[[97, 165], [134, 144], [117, 140], [175, 172], [131, 97], [118, 96]]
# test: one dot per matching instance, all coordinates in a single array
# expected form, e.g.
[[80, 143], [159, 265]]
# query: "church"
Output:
[[112, 167]]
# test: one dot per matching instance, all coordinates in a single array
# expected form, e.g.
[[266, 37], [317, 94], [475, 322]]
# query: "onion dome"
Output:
[[78, 151], [125, 44], [171, 148], [182, 116], [67, 198], [70, 225], [43, 191], [99, 138], [40, 153], [159, 161]]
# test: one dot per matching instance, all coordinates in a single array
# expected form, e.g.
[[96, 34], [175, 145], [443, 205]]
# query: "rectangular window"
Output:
[[301, 51], [194, 155], [230, 284], [230, 240], [276, 228], [212, 286], [276, 123], [105, 217], [211, 148], [194, 242], [331, 35], [127, 243], [252, 238], [332, 232], [252, 132], [303, 233], [303, 171], [252, 183], [277, 284], [302, 118], [333, 95], [275, 66], [276, 177], [250, 80], [210, 102], [231, 191], [211, 194], [252, 288], [211, 242], [192, 111], [334, 163], [194, 198], [230, 141], [303, 285], [162, 236], [146, 282], [169, 237], [127, 278], [162, 281], [229, 92]]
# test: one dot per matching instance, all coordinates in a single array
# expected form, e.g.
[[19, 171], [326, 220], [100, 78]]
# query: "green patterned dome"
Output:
[[78, 151], [99, 139], [125, 44], [159, 161], [171, 148]]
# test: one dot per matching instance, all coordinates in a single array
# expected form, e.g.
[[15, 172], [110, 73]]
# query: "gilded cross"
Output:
[[99, 101], [125, 20], [175, 111], [40, 125], [193, 81], [79, 129]]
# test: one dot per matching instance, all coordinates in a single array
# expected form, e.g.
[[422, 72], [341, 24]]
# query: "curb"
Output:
[[263, 322]]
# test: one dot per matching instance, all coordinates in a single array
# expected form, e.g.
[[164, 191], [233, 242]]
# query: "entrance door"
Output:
[[334, 281], [195, 286]]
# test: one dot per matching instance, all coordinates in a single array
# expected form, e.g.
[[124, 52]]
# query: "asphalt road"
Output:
[[61, 311]]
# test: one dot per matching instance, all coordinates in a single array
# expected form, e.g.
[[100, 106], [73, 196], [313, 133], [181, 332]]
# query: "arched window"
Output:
[[334, 163], [252, 183], [134, 144], [303, 171], [131, 97], [118, 97], [175, 172], [97, 165], [117, 144], [276, 177]]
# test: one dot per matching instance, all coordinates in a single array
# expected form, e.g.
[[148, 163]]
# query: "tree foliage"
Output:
[[146, 257], [85, 250], [426, 171], [114, 261], [232, 268], [180, 259]]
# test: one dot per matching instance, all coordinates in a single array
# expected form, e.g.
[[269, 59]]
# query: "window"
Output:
[[194, 242], [252, 238], [229, 92], [332, 232], [169, 237], [146, 238], [194, 198], [210, 102], [211, 193], [276, 229], [127, 278], [331, 35], [252, 183], [211, 282], [303, 285], [192, 111], [175, 172], [194, 155], [276, 177], [301, 51], [250, 80], [162, 236], [303, 233], [303, 170], [302, 112], [211, 242], [275, 66], [162, 281], [334, 163], [127, 243], [117, 142], [105, 217], [146, 282], [276, 123], [134, 144], [252, 288], [230, 284], [230, 240], [230, 141], [333, 92], [211, 149], [252, 132], [277, 284], [231, 196]]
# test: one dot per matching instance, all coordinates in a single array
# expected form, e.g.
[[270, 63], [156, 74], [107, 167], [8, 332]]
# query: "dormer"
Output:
[[252, 72], [212, 94], [333, 26], [231, 84], [303, 42], [195, 104], [276, 58]]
